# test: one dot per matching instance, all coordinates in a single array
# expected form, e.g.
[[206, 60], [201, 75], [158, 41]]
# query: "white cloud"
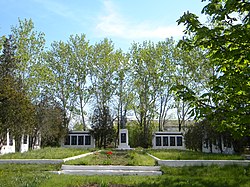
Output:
[[60, 9], [112, 24]]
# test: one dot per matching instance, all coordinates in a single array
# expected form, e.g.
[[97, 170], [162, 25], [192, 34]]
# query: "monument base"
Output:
[[123, 140]]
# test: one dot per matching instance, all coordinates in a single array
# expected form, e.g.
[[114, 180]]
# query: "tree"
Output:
[[167, 69], [123, 92], [103, 76], [102, 127], [228, 45], [78, 65], [145, 77], [59, 78], [17, 113], [50, 122], [29, 49], [193, 71]]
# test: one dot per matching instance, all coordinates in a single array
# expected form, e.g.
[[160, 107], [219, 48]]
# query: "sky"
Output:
[[122, 21]]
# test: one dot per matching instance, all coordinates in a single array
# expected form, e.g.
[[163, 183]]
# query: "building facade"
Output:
[[168, 140], [79, 139]]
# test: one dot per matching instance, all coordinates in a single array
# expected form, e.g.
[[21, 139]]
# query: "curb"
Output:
[[182, 163], [31, 161]]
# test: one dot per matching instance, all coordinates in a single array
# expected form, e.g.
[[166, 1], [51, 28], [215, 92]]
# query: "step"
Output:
[[111, 167], [109, 172]]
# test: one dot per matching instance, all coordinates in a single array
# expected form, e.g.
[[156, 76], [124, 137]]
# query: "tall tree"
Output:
[[167, 69], [78, 65], [103, 75], [50, 122], [123, 92], [193, 71], [29, 49], [17, 113], [57, 60], [227, 42], [145, 75], [102, 127]]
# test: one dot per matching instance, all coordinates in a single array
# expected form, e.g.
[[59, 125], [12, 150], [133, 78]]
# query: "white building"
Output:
[[221, 145], [9, 144], [79, 139]]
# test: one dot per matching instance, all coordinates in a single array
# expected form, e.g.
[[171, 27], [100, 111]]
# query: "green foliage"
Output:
[[50, 122], [226, 39], [17, 113], [194, 136], [79, 52], [136, 131], [172, 154], [102, 127], [46, 153], [146, 77], [127, 158], [29, 46]]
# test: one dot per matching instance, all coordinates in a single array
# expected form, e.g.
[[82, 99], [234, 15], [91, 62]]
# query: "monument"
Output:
[[123, 135]]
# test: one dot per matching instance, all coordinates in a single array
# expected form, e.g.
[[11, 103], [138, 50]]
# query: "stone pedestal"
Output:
[[123, 139]]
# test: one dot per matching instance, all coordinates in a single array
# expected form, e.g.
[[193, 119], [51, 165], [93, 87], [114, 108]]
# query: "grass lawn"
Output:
[[191, 155], [212, 176], [46, 153], [126, 158]]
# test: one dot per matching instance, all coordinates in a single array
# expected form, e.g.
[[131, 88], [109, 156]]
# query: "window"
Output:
[[165, 141], [25, 139], [179, 141], [4, 139], [37, 140], [172, 141], [80, 140], [227, 142], [10, 140], [206, 143], [158, 141], [73, 140], [67, 140], [87, 140]]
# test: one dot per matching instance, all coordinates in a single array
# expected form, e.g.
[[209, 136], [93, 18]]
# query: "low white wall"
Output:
[[7, 149], [181, 163]]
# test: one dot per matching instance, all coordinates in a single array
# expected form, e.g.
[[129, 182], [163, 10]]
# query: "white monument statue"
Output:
[[123, 135]]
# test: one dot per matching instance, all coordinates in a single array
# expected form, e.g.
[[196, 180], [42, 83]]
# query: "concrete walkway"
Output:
[[110, 170], [182, 163]]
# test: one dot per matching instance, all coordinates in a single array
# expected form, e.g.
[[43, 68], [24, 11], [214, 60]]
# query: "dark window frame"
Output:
[[165, 143], [172, 143], [73, 140], [87, 140], [179, 140], [80, 140], [158, 140]]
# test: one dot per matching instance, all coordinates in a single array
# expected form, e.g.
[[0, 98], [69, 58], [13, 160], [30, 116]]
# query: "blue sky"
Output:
[[123, 21]]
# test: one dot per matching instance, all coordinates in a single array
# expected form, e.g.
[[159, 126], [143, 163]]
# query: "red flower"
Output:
[[109, 153]]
